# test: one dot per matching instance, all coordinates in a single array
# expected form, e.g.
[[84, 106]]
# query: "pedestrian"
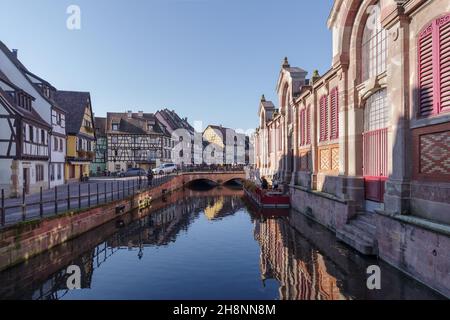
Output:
[[275, 182], [264, 183], [150, 177]]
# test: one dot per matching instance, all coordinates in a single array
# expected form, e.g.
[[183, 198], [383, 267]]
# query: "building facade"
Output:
[[225, 146], [36, 96], [136, 140], [24, 153], [80, 150], [365, 146], [183, 135], [98, 166]]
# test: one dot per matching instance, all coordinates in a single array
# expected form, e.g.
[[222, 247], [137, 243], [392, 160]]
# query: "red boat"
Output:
[[266, 198]]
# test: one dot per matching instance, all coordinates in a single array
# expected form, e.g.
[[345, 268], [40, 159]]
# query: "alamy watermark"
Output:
[[374, 279], [73, 22]]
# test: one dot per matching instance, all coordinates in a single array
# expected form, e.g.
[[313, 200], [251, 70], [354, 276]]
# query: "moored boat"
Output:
[[266, 199]]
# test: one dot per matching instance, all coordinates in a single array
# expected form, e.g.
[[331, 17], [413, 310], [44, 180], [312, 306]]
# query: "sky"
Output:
[[209, 60]]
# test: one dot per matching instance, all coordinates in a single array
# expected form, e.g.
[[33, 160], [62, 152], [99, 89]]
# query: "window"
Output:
[[114, 140], [52, 172], [42, 136], [334, 114], [31, 135], [55, 143], [308, 125], [302, 127], [323, 136], [61, 145], [115, 127], [376, 112], [434, 67], [59, 171], [39, 172], [374, 45]]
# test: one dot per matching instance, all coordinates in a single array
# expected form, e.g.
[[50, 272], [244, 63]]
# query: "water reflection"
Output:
[[201, 245]]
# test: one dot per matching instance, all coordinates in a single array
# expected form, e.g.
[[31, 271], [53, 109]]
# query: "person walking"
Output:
[[150, 177]]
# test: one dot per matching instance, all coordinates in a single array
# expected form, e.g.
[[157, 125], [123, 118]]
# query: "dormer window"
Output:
[[23, 101], [46, 91], [115, 127]]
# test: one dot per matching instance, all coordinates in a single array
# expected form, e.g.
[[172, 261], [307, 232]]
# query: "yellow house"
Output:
[[80, 133]]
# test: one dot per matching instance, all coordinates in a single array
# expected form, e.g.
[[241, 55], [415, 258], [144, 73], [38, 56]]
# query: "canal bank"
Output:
[[417, 247], [206, 245], [24, 240]]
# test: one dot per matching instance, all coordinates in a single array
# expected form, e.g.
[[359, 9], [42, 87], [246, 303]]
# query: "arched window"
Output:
[[374, 45]]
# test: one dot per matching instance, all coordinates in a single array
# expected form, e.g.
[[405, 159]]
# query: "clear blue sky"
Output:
[[210, 60]]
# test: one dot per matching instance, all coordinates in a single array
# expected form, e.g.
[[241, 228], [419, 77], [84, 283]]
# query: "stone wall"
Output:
[[325, 209], [416, 250], [20, 242]]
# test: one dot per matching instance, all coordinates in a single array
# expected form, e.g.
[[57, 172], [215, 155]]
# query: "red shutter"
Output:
[[334, 114], [302, 125], [308, 125], [444, 62], [323, 119], [426, 78]]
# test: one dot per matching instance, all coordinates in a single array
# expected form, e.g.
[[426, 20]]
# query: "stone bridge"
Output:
[[219, 178]]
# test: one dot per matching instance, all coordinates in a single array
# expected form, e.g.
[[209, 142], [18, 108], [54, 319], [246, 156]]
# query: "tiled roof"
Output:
[[100, 126], [174, 120], [27, 72], [30, 115], [137, 124], [74, 103]]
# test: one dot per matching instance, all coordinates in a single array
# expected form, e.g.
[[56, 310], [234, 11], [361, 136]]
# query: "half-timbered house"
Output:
[[98, 166], [24, 139], [80, 131], [44, 105], [136, 140]]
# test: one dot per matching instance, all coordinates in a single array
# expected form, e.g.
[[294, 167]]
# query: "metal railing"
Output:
[[62, 199]]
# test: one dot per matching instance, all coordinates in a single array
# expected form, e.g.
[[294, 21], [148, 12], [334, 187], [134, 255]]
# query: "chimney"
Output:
[[130, 114], [15, 52], [141, 114]]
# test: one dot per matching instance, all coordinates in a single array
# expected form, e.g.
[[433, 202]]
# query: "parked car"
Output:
[[133, 172], [166, 168]]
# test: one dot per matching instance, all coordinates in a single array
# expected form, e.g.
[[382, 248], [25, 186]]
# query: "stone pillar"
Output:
[[397, 194]]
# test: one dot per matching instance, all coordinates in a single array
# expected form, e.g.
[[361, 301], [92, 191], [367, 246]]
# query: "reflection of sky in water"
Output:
[[213, 259]]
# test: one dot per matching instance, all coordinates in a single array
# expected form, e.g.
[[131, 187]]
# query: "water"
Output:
[[206, 245]]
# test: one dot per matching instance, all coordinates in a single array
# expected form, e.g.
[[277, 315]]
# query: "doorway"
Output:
[[375, 148]]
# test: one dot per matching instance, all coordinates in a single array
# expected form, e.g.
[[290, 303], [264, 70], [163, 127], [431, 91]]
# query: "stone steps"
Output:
[[359, 233]]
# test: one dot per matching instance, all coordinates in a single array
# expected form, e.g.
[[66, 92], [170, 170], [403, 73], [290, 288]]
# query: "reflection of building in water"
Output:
[[222, 207], [301, 270], [162, 226]]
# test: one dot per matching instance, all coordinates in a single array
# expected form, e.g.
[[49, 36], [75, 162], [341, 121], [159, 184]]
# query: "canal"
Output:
[[198, 244]]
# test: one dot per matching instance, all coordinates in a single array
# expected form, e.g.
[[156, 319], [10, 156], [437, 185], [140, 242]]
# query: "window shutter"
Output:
[[444, 62], [308, 125], [302, 127], [426, 77], [334, 110], [323, 119]]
